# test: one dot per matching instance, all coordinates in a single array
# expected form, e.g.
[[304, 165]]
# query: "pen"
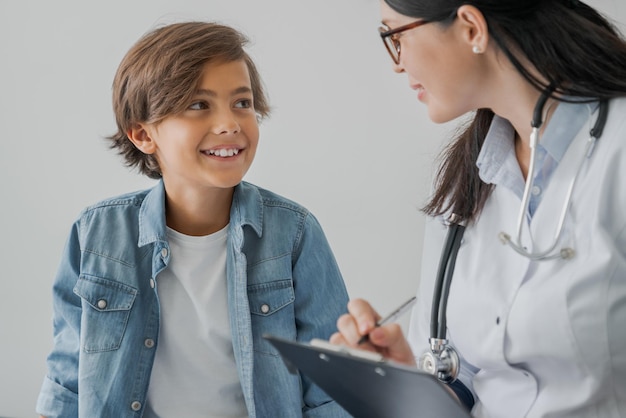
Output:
[[399, 311]]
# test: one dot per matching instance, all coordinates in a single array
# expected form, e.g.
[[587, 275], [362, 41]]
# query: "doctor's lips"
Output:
[[420, 90]]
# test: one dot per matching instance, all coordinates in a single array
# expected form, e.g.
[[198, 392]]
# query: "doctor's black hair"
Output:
[[570, 44]]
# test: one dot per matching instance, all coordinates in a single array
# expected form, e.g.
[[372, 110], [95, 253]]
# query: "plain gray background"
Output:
[[347, 138]]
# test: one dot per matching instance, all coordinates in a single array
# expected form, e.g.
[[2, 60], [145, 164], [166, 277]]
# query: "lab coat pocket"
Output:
[[106, 306]]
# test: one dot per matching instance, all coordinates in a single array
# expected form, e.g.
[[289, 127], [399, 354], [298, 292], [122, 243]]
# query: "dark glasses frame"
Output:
[[391, 41]]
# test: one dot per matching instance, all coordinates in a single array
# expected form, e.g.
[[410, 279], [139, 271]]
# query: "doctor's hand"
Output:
[[361, 320]]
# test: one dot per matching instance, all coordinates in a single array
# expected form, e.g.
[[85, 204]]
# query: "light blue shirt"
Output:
[[282, 279], [498, 164]]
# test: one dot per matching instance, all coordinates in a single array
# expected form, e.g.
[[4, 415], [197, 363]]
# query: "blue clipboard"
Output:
[[366, 385]]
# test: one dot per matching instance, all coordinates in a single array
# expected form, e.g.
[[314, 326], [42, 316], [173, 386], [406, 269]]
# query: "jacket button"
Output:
[[135, 406], [265, 308], [149, 342], [152, 283], [102, 304], [164, 252]]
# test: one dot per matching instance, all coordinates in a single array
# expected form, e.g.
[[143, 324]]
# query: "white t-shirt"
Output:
[[194, 372]]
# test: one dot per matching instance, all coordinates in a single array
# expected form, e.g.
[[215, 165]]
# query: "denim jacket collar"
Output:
[[246, 209], [152, 216]]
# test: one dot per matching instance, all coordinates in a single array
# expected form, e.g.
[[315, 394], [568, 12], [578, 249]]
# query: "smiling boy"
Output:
[[163, 295]]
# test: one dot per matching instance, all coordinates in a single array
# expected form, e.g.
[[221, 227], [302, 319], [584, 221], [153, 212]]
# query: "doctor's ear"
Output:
[[474, 28], [141, 138]]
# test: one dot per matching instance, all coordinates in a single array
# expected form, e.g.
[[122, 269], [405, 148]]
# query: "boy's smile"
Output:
[[222, 152]]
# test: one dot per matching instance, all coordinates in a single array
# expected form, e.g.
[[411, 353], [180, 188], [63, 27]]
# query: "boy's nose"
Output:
[[225, 123]]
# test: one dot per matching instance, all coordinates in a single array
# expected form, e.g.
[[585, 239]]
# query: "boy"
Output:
[[163, 295]]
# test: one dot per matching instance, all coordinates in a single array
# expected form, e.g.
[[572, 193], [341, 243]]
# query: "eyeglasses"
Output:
[[390, 37]]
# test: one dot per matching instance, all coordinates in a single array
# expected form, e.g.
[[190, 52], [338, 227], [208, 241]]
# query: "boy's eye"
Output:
[[244, 104], [199, 105]]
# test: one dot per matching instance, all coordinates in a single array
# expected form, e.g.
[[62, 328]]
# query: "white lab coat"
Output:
[[543, 338]]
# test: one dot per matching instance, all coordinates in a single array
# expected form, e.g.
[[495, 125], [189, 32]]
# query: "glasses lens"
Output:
[[391, 44]]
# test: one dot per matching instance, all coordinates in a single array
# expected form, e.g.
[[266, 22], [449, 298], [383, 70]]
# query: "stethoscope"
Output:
[[536, 123], [442, 360]]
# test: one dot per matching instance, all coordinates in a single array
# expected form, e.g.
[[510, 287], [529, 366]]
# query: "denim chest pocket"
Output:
[[271, 308], [268, 298], [106, 308]]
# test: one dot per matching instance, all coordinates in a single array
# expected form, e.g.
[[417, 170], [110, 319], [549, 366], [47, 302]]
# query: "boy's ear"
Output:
[[140, 137]]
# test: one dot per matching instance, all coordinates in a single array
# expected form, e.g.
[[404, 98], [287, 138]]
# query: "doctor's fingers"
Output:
[[363, 314], [393, 343], [338, 339], [348, 332]]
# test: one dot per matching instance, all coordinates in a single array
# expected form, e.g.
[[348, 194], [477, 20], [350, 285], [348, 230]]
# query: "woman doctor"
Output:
[[536, 307]]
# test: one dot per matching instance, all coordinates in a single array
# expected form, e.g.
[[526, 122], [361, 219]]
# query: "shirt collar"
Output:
[[567, 120], [498, 150], [496, 161]]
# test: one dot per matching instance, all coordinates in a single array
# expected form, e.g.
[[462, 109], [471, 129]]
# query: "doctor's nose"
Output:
[[397, 68]]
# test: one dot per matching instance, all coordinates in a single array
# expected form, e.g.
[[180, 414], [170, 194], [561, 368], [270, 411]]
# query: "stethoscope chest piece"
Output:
[[441, 361]]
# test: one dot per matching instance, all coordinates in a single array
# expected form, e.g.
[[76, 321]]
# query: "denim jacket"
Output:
[[282, 279]]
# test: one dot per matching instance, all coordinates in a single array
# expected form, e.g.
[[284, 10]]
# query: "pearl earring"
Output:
[[476, 49]]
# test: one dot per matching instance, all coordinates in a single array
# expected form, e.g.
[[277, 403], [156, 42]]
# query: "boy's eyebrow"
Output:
[[238, 90]]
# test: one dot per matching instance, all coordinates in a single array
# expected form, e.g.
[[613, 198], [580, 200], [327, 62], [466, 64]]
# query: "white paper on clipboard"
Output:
[[366, 385]]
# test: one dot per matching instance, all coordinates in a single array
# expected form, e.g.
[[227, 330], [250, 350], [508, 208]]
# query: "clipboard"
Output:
[[366, 385]]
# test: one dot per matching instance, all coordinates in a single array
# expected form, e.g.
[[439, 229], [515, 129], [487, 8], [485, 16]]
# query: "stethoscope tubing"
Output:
[[445, 272]]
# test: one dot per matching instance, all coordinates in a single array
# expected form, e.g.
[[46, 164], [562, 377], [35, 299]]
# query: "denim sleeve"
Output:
[[59, 393], [321, 297]]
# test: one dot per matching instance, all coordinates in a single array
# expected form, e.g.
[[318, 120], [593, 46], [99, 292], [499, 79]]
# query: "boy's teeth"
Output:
[[224, 152]]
